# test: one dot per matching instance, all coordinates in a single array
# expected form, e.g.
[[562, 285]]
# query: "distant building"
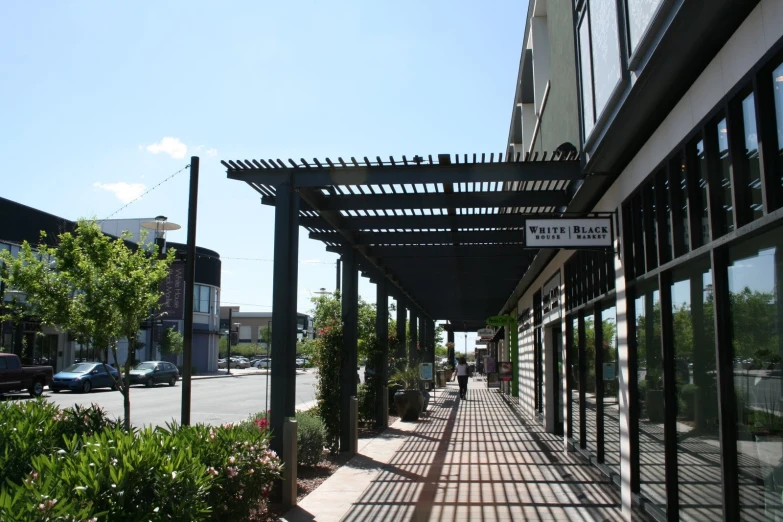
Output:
[[39, 344], [251, 324]]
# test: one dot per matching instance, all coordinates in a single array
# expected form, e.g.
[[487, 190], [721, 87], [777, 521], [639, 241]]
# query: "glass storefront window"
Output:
[[698, 437], [591, 406], [201, 299], [752, 157], [777, 92], [650, 382], [585, 69], [611, 389], [640, 14], [755, 281], [705, 198], [680, 182], [606, 51], [574, 375], [725, 196]]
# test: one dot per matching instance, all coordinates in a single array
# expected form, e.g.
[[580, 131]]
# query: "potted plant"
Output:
[[408, 400], [449, 369]]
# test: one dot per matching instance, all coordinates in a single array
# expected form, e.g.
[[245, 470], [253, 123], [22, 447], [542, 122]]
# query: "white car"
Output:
[[262, 363]]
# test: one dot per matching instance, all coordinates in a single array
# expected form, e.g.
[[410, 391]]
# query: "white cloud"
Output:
[[125, 192], [311, 261], [171, 146], [211, 152]]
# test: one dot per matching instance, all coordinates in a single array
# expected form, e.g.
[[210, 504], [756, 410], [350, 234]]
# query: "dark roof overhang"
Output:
[[448, 233]]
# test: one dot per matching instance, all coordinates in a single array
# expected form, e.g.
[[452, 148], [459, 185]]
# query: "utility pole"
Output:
[[190, 286], [228, 344]]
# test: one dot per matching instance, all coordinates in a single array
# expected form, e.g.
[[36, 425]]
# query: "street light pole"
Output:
[[228, 344]]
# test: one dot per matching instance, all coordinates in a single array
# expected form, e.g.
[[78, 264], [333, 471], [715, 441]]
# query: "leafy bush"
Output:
[[39, 427], [329, 359], [239, 459], [77, 464], [366, 397], [310, 439], [113, 475]]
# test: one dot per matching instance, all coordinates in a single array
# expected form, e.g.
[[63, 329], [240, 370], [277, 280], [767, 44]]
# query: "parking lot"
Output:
[[213, 400]]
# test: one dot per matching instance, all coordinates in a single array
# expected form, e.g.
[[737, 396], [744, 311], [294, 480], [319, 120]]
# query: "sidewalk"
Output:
[[479, 459]]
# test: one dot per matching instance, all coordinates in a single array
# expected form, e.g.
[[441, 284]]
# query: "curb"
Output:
[[243, 374]]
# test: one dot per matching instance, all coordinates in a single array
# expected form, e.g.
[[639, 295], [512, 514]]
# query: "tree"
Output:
[[172, 342], [95, 286]]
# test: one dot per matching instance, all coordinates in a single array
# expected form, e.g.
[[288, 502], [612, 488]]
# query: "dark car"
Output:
[[84, 377], [16, 377], [150, 373]]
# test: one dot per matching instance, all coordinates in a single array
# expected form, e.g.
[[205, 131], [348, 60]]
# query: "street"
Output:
[[213, 401]]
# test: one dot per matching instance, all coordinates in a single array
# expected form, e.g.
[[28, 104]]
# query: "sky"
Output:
[[101, 101]]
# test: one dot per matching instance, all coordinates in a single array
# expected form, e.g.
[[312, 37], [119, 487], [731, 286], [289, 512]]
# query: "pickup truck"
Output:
[[14, 377]]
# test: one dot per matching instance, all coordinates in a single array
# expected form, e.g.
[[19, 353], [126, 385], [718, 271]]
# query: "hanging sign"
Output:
[[499, 320], [569, 233], [482, 341], [486, 333]]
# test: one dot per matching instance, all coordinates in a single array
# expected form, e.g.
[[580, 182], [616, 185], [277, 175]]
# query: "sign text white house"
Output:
[[569, 233]]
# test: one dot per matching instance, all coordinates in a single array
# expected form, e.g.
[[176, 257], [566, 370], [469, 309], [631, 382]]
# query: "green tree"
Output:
[[171, 342], [95, 286], [265, 335]]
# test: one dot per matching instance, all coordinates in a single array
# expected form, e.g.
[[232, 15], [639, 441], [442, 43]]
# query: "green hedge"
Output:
[[97, 471], [310, 435], [310, 439]]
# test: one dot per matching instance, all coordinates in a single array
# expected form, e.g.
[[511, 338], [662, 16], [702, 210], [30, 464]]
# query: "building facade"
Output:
[[250, 326], [49, 345], [660, 361]]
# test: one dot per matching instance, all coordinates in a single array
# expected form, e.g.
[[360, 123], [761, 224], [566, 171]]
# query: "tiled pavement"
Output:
[[476, 459]]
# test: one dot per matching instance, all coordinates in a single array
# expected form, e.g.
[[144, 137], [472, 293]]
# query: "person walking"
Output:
[[462, 377]]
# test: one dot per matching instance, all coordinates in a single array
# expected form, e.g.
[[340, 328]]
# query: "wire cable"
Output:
[[145, 193]]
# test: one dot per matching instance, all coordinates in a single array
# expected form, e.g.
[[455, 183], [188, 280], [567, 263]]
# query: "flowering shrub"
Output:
[[67, 466], [112, 475], [242, 467], [39, 427]]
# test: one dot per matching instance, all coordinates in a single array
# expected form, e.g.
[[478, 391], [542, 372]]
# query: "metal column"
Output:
[[350, 310], [284, 292], [382, 362], [413, 356], [450, 339], [401, 329], [431, 339]]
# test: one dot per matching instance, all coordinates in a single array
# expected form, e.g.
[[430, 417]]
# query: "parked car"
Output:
[[85, 377], [15, 377], [150, 373], [262, 363], [240, 362]]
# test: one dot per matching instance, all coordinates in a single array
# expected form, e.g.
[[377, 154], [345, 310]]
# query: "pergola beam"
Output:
[[423, 200], [423, 222], [304, 177], [451, 251], [426, 238], [316, 201]]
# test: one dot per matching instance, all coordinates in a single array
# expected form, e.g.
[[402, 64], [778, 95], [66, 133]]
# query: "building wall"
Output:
[[762, 30], [559, 121]]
